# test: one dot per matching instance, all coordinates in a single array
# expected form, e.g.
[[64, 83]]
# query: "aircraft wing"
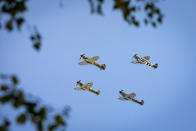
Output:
[[132, 95], [90, 84], [93, 59], [79, 88], [84, 63], [147, 57]]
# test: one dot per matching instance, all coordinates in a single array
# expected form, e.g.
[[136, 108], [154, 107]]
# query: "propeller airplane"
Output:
[[86, 87], [129, 97], [143, 60], [91, 61]]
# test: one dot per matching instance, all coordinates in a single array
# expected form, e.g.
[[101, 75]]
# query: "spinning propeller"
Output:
[[81, 56], [78, 82]]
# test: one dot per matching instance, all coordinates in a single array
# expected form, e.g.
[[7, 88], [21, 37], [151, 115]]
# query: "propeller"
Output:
[[134, 54], [121, 91], [81, 56], [78, 82]]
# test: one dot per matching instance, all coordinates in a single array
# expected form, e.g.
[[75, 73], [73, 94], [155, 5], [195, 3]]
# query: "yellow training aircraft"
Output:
[[86, 87], [91, 61]]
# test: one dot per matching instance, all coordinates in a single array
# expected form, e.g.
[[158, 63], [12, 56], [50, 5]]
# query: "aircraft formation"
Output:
[[124, 96]]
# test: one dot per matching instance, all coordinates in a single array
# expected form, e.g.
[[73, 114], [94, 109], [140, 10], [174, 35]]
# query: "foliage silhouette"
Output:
[[38, 114], [14, 10], [129, 8]]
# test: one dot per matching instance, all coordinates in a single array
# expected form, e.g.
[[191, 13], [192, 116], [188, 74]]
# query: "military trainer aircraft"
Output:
[[130, 96], [86, 87], [91, 61], [143, 60]]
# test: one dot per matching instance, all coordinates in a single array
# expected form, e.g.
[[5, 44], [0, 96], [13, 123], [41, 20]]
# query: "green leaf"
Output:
[[9, 26], [136, 23], [5, 99], [159, 19], [59, 120], [146, 21], [133, 9], [52, 127], [14, 80], [21, 6], [30, 106], [150, 14], [4, 87], [37, 46], [38, 36], [32, 37], [157, 11], [21, 119], [19, 22], [7, 123], [39, 126], [33, 120], [19, 100], [42, 113], [154, 24]]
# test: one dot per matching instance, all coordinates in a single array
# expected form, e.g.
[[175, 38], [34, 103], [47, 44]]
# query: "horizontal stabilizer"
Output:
[[121, 98], [135, 62]]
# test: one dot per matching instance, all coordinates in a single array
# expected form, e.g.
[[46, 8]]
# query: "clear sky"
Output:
[[51, 74]]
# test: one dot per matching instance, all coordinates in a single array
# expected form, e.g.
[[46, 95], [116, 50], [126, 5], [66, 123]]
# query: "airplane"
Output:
[[143, 60], [91, 61], [130, 96], [86, 87]]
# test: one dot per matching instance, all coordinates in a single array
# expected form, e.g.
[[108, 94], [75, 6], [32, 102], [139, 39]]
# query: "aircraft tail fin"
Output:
[[155, 66], [142, 102], [121, 98], [103, 66], [98, 92]]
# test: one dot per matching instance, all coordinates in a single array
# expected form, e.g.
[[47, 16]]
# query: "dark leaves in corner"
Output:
[[5, 125], [38, 115], [14, 10]]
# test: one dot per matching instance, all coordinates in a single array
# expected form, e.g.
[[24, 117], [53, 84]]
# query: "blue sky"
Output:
[[51, 74]]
